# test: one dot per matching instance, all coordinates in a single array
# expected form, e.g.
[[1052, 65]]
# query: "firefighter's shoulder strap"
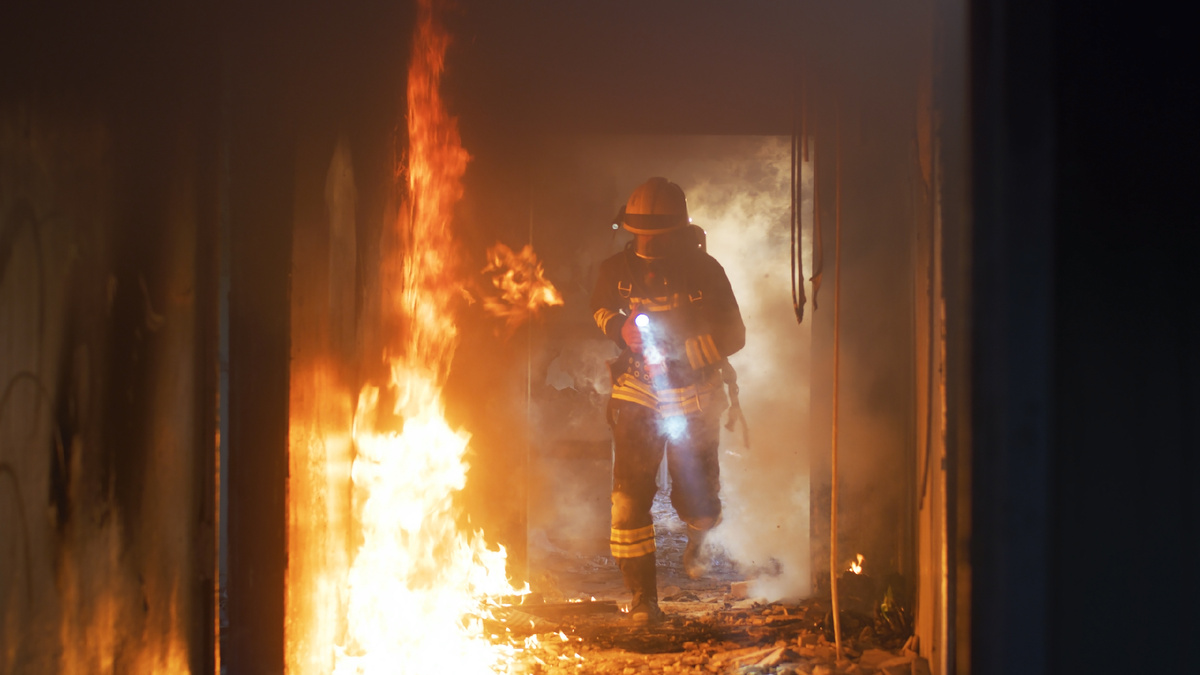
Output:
[[626, 283], [690, 285]]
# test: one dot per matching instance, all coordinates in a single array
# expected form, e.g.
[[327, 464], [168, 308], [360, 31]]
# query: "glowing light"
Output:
[[856, 565], [674, 427], [641, 321]]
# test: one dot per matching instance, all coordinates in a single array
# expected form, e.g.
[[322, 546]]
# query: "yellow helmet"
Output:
[[656, 206]]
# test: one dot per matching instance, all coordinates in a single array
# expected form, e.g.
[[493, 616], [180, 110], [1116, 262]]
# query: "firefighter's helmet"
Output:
[[656, 206]]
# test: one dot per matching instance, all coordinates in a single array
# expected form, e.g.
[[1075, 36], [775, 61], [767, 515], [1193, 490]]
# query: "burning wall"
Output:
[[412, 583]]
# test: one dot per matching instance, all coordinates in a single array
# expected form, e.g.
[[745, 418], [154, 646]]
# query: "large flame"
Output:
[[418, 586]]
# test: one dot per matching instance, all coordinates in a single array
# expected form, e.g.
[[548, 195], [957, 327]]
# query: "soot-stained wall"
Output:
[[107, 340]]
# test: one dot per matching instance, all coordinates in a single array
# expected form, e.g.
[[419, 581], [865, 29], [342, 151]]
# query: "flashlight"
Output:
[[651, 351]]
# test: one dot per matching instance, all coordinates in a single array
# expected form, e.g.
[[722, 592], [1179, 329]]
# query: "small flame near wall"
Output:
[[856, 565]]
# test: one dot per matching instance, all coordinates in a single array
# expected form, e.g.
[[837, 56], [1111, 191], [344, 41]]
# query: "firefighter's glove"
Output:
[[632, 334]]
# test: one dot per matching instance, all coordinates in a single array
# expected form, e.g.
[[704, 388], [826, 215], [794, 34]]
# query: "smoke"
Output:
[[583, 366], [744, 205], [738, 191]]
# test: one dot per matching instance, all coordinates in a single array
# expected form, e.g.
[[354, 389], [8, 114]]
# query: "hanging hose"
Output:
[[818, 247], [837, 302], [797, 278]]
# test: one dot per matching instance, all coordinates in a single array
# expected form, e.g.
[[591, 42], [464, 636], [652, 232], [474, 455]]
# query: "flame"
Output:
[[418, 587], [427, 283], [521, 282], [856, 565]]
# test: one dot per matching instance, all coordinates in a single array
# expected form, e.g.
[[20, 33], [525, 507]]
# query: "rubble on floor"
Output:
[[704, 635], [573, 622]]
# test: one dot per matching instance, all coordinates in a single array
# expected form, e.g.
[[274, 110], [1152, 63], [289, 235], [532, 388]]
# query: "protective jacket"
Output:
[[694, 324]]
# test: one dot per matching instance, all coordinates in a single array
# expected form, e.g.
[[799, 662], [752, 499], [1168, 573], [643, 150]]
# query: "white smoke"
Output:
[[744, 205], [738, 191]]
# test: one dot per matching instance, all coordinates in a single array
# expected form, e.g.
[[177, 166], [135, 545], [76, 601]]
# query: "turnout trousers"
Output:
[[640, 436]]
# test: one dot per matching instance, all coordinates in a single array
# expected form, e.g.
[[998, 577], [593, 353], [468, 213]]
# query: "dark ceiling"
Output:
[[670, 66]]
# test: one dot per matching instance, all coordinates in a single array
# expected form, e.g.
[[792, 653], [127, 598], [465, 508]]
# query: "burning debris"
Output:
[[521, 284]]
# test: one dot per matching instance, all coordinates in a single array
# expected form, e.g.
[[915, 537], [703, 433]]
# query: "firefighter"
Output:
[[670, 309]]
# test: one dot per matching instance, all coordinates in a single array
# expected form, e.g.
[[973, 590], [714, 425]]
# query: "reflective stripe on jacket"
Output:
[[694, 323]]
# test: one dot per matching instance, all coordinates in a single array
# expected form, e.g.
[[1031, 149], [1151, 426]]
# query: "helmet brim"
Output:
[[653, 223]]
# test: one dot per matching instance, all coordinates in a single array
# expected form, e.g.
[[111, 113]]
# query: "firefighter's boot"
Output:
[[641, 580], [695, 560]]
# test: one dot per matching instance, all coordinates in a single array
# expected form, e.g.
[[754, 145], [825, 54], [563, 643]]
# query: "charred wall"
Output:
[[315, 101], [108, 213], [126, 131], [865, 126], [132, 137]]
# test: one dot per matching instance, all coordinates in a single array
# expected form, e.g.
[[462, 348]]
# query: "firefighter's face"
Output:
[[657, 245]]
